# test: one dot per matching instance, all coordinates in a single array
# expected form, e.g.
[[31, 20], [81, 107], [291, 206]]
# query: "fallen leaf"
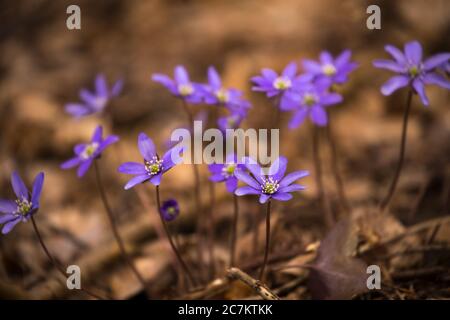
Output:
[[336, 274]]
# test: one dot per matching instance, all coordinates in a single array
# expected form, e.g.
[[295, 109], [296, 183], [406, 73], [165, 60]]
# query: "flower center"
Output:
[[185, 89], [228, 170], [414, 71], [232, 121], [329, 70], [309, 99], [222, 95], [282, 83], [270, 186], [100, 102], [172, 211], [89, 150], [23, 206], [154, 166]]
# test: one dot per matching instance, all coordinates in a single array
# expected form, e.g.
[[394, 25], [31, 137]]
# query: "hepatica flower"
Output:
[[231, 121], [170, 210], [85, 153], [181, 86], [153, 167], [331, 70], [26, 204], [94, 102], [311, 100], [273, 84], [412, 70], [225, 172], [215, 94], [275, 185]]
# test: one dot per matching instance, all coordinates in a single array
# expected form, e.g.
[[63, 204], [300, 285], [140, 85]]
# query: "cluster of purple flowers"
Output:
[[211, 93], [309, 93]]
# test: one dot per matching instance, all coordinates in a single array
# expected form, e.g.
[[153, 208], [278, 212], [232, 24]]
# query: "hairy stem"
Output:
[[387, 199], [337, 175], [234, 231], [172, 244], [53, 260], [115, 230], [328, 214], [267, 248]]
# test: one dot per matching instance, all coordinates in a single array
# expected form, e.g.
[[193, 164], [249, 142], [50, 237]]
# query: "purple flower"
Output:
[[88, 152], [231, 121], [329, 69], [153, 167], [170, 210], [94, 102], [13, 212], [215, 94], [226, 172], [412, 71], [274, 185], [181, 86], [311, 99], [273, 84]]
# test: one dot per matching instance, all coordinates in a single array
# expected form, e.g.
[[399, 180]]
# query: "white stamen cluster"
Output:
[[414, 71], [282, 83], [329, 70], [222, 95], [100, 102], [89, 150], [270, 185], [309, 99], [228, 170], [23, 207], [185, 89], [154, 166]]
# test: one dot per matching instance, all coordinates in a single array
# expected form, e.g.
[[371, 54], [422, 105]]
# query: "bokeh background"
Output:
[[43, 66]]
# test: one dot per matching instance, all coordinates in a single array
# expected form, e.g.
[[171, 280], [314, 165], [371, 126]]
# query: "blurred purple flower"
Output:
[[94, 102], [274, 185], [273, 84], [331, 70], [412, 71], [88, 152], [311, 100], [181, 86], [153, 167], [225, 172], [215, 94], [170, 210], [13, 212], [231, 121]]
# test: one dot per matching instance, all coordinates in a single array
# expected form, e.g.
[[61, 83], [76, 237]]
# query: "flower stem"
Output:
[[337, 175], [198, 205], [387, 199], [328, 214], [234, 231], [115, 230], [212, 268], [267, 248], [172, 244], [53, 260]]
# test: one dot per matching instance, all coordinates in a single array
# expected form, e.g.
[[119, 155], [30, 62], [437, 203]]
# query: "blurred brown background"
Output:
[[43, 65]]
